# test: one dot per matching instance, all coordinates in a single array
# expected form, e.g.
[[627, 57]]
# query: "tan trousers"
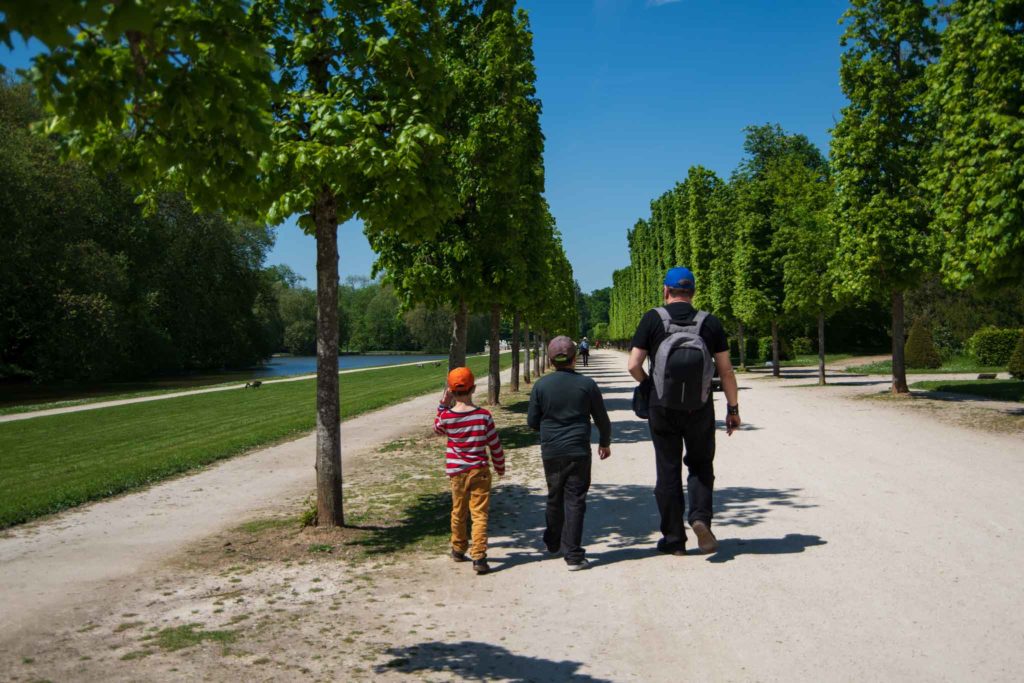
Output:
[[471, 497]]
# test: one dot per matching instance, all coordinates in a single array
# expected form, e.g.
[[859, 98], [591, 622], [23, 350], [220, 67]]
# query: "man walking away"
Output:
[[680, 341], [561, 407], [585, 351]]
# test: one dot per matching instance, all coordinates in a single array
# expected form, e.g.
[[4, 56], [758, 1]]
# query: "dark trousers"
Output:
[[568, 483], [585, 355], [670, 429]]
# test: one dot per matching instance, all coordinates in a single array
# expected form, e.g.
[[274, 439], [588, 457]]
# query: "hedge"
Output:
[[993, 346], [920, 349], [764, 349], [1016, 365]]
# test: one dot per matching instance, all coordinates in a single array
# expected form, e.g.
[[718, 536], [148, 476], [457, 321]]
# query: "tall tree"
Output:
[[878, 155], [328, 109], [806, 239], [976, 169], [758, 292]]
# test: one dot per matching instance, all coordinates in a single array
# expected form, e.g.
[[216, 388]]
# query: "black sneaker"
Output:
[[671, 550], [706, 540], [480, 566], [458, 557]]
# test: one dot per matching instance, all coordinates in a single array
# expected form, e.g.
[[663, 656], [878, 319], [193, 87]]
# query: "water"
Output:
[[306, 365]]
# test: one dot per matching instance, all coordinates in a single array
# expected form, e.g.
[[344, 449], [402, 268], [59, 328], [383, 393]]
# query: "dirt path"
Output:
[[857, 542], [50, 568]]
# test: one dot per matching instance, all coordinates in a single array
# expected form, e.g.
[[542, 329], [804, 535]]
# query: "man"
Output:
[[671, 427], [562, 405], [585, 351]]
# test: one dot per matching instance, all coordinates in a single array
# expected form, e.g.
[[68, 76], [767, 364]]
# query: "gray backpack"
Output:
[[682, 368]]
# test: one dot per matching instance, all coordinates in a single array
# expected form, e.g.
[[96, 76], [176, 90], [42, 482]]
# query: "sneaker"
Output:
[[674, 550], [577, 566], [706, 540], [458, 557], [480, 566]]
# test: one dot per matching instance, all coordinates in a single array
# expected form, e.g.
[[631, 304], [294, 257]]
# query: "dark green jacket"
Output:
[[561, 405]]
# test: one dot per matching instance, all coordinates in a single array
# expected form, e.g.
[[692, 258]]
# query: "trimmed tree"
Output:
[[267, 109], [878, 153], [976, 169], [921, 352]]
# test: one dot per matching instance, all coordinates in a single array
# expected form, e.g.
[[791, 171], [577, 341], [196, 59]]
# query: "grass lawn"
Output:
[[1001, 389], [55, 462], [952, 366]]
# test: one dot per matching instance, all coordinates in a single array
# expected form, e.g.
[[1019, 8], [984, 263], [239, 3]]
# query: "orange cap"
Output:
[[461, 380]]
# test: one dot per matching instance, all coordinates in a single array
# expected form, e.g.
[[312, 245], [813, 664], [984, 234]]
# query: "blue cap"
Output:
[[680, 278]]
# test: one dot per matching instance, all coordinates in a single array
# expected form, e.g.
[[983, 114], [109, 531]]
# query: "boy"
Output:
[[561, 406], [470, 431]]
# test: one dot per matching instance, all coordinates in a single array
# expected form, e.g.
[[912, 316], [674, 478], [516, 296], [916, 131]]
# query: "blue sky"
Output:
[[634, 93]]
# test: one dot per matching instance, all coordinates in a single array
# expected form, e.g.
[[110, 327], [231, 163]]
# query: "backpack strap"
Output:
[[666, 319], [699, 319]]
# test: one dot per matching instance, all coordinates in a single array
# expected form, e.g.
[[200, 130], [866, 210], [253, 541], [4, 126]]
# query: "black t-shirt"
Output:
[[651, 331]]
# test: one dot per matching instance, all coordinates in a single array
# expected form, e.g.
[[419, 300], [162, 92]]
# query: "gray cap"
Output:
[[561, 349]]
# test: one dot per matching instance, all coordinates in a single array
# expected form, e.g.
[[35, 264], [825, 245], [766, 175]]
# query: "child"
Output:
[[561, 406], [470, 430]]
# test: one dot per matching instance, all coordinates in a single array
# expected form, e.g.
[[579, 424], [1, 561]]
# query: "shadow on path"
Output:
[[729, 548], [475, 661]]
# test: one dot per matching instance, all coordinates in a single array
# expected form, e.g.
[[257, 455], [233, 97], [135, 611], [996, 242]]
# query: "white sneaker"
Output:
[[582, 564]]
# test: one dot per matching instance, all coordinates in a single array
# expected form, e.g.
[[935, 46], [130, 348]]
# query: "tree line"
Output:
[[417, 116], [922, 186]]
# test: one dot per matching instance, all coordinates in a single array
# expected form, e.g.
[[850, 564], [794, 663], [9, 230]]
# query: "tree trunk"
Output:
[[776, 370], [515, 351], [329, 509], [743, 346], [528, 345], [899, 369], [494, 371], [821, 348], [544, 360], [536, 354], [457, 348]]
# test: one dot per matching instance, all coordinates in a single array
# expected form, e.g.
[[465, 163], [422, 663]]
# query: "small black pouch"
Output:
[[642, 398]]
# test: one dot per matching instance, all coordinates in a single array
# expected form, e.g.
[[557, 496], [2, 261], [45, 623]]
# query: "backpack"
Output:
[[584, 346], [682, 368]]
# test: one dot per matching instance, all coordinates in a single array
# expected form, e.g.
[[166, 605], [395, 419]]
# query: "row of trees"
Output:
[[925, 178], [417, 116]]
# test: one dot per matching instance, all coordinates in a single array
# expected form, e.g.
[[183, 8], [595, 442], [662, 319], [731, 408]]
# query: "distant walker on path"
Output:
[[680, 341], [585, 351]]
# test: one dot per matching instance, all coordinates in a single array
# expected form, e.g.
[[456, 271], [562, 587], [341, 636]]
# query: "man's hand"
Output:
[[604, 452], [732, 423]]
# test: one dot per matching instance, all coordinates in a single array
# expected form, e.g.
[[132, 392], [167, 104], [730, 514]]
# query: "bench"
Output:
[[987, 375]]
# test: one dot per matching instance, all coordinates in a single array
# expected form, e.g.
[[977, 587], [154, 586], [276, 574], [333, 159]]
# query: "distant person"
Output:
[[680, 341], [471, 432], [585, 351], [561, 407]]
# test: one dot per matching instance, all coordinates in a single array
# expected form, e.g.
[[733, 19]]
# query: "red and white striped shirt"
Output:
[[468, 434]]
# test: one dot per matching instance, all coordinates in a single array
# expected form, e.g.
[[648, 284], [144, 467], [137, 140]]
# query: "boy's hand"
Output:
[[446, 398], [604, 452]]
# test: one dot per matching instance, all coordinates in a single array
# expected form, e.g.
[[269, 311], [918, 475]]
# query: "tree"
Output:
[[976, 170], [268, 108], [878, 154], [806, 240], [758, 288]]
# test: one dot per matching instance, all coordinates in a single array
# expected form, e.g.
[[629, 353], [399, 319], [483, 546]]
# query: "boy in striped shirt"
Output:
[[471, 432]]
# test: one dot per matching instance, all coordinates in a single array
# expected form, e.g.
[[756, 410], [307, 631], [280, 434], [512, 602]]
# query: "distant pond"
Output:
[[306, 365]]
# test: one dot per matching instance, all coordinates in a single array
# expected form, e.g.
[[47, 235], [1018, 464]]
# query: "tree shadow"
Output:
[[426, 515], [474, 661], [623, 519], [518, 436]]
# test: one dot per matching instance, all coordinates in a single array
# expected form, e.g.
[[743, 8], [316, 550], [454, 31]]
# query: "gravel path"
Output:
[[858, 542]]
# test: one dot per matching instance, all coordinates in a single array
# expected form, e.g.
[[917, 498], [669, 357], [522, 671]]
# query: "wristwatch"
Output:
[[734, 410]]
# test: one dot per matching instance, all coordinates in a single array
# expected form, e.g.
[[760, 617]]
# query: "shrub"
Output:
[[764, 349], [803, 346], [993, 346], [920, 349], [1016, 366]]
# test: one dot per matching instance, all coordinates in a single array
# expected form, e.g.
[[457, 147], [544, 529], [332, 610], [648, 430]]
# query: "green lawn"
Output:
[[1001, 389], [952, 366], [55, 462]]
